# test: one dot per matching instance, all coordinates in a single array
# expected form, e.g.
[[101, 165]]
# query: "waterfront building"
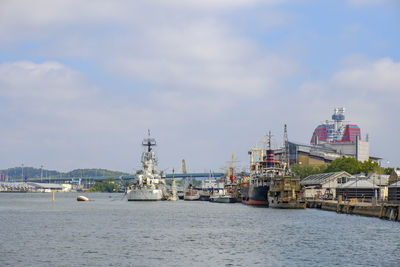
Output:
[[394, 192], [331, 185], [324, 185], [15, 187], [46, 187], [359, 189], [380, 180]]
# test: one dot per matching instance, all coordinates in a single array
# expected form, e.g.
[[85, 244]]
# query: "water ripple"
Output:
[[110, 232]]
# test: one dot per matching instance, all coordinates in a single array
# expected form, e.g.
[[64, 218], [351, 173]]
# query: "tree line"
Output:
[[16, 173], [350, 165]]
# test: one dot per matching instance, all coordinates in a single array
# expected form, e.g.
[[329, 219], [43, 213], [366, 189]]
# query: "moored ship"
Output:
[[285, 193], [255, 190], [149, 184], [191, 193], [285, 190], [224, 196]]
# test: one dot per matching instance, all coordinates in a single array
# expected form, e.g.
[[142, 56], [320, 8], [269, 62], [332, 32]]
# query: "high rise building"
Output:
[[335, 131]]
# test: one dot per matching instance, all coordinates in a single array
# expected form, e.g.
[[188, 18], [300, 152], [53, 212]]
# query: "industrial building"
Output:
[[334, 184], [331, 140], [359, 189], [324, 185]]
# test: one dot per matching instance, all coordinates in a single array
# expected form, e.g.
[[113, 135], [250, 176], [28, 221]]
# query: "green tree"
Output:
[[108, 185], [350, 165], [304, 171], [388, 171], [368, 166]]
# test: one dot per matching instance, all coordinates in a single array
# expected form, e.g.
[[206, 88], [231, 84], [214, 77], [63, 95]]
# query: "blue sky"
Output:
[[81, 82]]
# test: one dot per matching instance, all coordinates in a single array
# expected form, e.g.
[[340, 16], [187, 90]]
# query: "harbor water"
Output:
[[108, 231]]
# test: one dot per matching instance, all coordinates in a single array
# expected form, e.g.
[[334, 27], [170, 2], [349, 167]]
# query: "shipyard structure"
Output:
[[330, 140]]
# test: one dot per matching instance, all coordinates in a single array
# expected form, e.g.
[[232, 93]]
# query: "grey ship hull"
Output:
[[144, 194]]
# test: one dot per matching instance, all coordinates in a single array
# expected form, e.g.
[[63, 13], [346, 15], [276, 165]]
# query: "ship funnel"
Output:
[[270, 158]]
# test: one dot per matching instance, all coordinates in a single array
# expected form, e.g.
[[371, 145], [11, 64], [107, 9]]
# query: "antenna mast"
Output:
[[149, 142], [286, 157]]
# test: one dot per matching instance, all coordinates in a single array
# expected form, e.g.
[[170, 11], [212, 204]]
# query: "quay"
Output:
[[386, 211]]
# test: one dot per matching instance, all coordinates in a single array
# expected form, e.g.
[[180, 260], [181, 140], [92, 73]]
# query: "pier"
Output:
[[388, 211]]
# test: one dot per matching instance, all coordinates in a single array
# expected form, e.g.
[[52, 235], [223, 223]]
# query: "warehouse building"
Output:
[[324, 185]]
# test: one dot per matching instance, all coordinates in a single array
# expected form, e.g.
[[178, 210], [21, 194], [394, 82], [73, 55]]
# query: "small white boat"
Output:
[[82, 198]]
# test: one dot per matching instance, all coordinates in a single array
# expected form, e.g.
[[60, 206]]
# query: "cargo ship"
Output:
[[148, 184], [255, 189]]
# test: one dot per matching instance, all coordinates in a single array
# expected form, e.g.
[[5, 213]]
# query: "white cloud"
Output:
[[203, 56], [381, 76], [360, 3], [184, 46], [22, 19], [50, 80], [55, 116], [192, 67], [186, 72]]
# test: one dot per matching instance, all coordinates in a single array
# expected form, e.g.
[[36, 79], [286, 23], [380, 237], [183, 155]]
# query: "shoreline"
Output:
[[385, 211]]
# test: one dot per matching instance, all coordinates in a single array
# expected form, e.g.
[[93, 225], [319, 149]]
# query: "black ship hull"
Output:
[[255, 195]]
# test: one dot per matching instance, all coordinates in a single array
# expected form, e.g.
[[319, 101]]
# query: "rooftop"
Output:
[[358, 184], [318, 179]]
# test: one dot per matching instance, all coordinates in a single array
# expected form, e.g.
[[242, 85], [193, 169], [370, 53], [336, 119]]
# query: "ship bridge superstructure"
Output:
[[149, 159]]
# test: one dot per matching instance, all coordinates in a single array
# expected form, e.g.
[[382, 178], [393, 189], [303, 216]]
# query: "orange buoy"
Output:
[[82, 198]]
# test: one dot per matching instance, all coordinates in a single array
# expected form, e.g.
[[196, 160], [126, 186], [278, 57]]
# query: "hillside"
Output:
[[16, 173]]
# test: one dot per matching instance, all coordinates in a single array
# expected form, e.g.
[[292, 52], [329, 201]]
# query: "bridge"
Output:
[[93, 179]]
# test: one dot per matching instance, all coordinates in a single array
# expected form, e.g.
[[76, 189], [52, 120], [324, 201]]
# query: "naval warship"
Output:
[[148, 184]]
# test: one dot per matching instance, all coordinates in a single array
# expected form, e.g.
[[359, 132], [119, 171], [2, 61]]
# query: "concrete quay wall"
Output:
[[383, 211]]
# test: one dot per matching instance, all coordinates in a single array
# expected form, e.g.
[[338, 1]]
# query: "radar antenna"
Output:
[[149, 142]]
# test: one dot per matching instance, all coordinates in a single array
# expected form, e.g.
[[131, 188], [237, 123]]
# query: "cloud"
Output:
[[170, 44], [371, 85], [23, 19], [50, 80], [381, 76], [360, 3], [184, 66], [190, 71], [202, 56], [55, 115]]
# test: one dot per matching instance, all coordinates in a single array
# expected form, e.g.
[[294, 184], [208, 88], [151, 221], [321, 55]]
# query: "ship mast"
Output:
[[286, 157], [149, 142]]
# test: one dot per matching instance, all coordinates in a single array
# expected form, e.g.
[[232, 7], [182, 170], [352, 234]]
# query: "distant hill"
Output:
[[16, 173]]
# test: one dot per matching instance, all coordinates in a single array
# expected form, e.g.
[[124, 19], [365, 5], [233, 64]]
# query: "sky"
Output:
[[81, 82]]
